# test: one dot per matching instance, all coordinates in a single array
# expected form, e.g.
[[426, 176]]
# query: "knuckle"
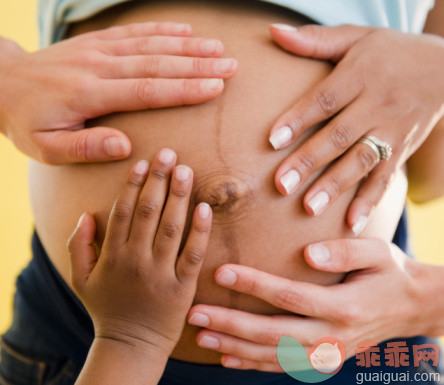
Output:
[[186, 46], [307, 162], [145, 90], [82, 85], [142, 45], [288, 297], [147, 207], [367, 159], [340, 136], [170, 229], [271, 336], [335, 186], [179, 192], [122, 211], [151, 65], [348, 254], [350, 314], [159, 174], [383, 182], [81, 146], [198, 66], [327, 101], [251, 285], [194, 255]]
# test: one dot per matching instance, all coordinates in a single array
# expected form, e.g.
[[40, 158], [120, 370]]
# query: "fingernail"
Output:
[[209, 342], [212, 85], [199, 319], [290, 181], [360, 224], [224, 65], [232, 362], [141, 167], [81, 219], [281, 137], [211, 47], [204, 210], [115, 146], [182, 173], [319, 253], [226, 278], [166, 156], [284, 27], [319, 202]]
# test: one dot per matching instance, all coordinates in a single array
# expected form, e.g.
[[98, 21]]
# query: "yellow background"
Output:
[[18, 22]]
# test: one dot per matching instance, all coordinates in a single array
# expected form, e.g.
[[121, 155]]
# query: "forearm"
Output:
[[425, 168], [114, 362]]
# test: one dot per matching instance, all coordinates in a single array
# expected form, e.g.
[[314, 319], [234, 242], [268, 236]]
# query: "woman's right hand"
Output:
[[46, 96], [138, 291]]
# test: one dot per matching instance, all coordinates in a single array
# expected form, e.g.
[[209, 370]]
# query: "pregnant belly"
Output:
[[225, 141]]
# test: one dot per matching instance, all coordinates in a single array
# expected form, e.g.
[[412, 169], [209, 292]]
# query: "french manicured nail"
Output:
[[199, 319], [319, 253], [232, 362], [166, 156], [116, 146], [223, 66], [81, 219], [290, 181], [284, 27], [212, 85], [141, 167], [319, 202], [226, 278], [208, 342], [182, 173], [281, 137], [211, 47], [359, 224], [204, 210]]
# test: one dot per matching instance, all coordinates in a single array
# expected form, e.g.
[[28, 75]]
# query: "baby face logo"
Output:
[[322, 362]]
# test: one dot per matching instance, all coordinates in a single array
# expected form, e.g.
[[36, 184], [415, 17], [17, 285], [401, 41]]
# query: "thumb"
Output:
[[81, 250], [98, 144], [318, 42]]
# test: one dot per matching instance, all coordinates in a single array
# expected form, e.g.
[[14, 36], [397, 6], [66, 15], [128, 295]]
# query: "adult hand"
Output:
[[378, 300], [385, 83], [46, 96]]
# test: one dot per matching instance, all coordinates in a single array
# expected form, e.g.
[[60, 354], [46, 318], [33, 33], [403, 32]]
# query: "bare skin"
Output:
[[225, 142]]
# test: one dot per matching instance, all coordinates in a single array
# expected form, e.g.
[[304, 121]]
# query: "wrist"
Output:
[[428, 302]]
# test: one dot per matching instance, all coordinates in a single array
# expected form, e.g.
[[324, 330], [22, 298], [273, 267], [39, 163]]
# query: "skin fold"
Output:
[[225, 142]]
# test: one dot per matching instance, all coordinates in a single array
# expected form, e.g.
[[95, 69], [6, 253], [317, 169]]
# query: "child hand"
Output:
[[138, 291]]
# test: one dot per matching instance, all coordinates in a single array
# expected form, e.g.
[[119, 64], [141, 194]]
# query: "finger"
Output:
[[330, 96], [261, 329], [169, 233], [234, 346], [190, 261], [298, 297], [98, 144], [141, 29], [152, 198], [244, 364], [318, 42], [338, 178], [163, 66], [121, 216], [370, 194], [326, 145], [140, 94], [82, 252], [344, 255], [165, 45]]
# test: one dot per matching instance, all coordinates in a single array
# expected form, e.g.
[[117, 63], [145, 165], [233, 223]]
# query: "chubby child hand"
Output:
[[139, 289]]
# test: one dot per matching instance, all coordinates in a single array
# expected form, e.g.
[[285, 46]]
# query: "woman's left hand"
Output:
[[385, 84], [379, 299]]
